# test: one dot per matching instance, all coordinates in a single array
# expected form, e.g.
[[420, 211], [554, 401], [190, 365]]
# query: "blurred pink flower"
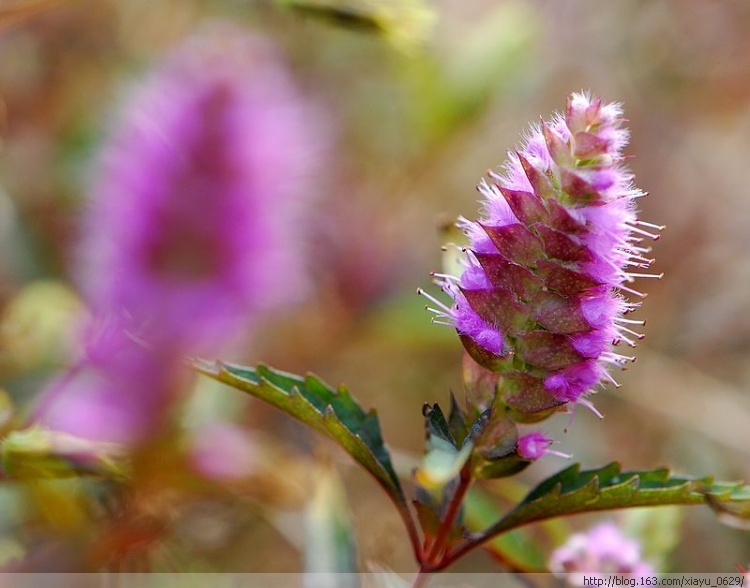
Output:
[[194, 224], [603, 549], [194, 229], [223, 451], [120, 392]]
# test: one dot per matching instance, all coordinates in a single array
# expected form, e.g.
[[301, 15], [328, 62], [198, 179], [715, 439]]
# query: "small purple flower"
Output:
[[536, 444], [541, 295], [193, 227], [601, 550]]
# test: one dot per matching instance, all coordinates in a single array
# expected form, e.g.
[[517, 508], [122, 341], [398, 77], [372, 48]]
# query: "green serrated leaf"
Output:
[[515, 549], [331, 412], [457, 422], [731, 503], [573, 491], [436, 426]]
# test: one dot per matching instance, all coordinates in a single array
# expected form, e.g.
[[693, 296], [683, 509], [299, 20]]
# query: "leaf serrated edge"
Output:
[[386, 476], [608, 496], [222, 372]]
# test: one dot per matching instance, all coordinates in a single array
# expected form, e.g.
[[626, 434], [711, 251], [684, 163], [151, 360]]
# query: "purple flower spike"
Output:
[[191, 233], [601, 550], [552, 257], [191, 230]]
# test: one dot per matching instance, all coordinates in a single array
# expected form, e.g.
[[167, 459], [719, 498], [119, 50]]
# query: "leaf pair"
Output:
[[572, 491]]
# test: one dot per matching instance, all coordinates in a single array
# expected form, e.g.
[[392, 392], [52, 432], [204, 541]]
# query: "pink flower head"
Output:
[[192, 225], [601, 550], [542, 292], [192, 230]]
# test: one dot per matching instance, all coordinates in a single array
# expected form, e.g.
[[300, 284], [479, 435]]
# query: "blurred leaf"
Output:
[[452, 240], [442, 463], [498, 52], [39, 454], [35, 326], [330, 552], [10, 550], [445, 457], [573, 491], [516, 549], [7, 410], [332, 412], [496, 55], [407, 24], [731, 505], [657, 530]]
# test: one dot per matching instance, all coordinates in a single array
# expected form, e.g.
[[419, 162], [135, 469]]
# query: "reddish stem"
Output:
[[421, 579], [411, 529], [434, 554]]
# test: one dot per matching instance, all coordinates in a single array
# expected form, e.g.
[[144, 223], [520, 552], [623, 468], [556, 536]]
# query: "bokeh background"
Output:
[[414, 113]]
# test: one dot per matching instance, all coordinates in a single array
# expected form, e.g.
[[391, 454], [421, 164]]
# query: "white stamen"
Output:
[[446, 277], [637, 265], [612, 380], [634, 275], [617, 358], [645, 260], [559, 453], [639, 336], [621, 338], [434, 301], [630, 321], [644, 233], [591, 407], [631, 291], [641, 223]]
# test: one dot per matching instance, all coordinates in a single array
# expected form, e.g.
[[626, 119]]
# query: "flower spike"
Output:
[[543, 284]]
